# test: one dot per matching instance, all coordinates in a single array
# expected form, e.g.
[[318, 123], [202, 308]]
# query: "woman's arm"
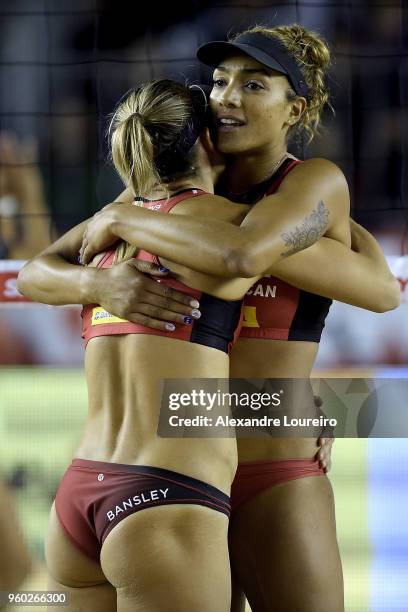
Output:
[[312, 202], [360, 277], [54, 277]]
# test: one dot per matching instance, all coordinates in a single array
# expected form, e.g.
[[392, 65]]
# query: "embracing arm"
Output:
[[360, 277], [310, 203], [54, 276]]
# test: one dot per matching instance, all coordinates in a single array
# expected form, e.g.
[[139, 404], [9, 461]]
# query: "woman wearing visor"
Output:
[[268, 84]]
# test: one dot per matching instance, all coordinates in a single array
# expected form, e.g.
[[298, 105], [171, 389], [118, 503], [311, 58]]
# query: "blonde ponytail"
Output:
[[148, 118], [132, 148]]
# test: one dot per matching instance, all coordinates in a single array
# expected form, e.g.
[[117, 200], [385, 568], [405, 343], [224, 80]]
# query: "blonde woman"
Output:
[[133, 507]]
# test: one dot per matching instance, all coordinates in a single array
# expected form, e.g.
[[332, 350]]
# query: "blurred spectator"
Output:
[[15, 561], [41, 335], [24, 217]]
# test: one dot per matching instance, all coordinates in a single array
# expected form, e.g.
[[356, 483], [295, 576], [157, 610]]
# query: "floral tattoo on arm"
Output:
[[310, 230]]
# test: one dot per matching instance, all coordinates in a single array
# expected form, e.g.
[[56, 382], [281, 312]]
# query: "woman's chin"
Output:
[[229, 147]]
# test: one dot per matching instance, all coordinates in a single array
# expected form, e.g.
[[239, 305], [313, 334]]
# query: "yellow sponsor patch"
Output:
[[101, 317], [250, 319]]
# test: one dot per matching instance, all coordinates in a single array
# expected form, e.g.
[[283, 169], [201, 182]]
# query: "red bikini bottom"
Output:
[[256, 476]]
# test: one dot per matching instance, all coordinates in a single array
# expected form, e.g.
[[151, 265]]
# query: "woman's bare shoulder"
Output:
[[210, 205], [319, 167], [316, 175]]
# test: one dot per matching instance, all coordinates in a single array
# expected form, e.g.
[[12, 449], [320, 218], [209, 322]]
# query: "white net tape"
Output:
[[9, 270]]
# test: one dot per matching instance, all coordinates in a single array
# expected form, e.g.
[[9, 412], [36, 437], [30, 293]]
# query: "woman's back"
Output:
[[125, 364], [124, 377]]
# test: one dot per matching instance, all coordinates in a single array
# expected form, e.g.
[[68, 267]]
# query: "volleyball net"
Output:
[[64, 66]]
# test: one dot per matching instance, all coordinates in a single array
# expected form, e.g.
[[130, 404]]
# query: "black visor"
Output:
[[266, 50]]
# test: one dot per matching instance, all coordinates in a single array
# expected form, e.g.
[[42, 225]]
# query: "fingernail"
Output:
[[196, 314], [170, 326], [188, 320], [194, 304], [164, 270]]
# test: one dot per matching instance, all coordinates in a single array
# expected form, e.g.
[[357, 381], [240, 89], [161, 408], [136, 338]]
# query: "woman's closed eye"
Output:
[[251, 85]]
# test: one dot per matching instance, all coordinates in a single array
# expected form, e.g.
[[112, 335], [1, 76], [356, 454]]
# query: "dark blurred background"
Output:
[[65, 63]]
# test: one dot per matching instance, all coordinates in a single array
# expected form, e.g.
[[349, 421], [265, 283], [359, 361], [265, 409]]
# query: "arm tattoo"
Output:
[[309, 231]]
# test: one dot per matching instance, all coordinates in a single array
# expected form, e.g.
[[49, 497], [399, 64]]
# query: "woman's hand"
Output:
[[100, 233], [125, 291], [215, 159], [323, 455]]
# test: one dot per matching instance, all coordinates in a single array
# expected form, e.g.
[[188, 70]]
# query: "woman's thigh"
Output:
[[284, 548], [170, 558], [72, 572]]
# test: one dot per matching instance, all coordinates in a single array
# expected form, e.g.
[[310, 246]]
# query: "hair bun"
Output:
[[315, 51]]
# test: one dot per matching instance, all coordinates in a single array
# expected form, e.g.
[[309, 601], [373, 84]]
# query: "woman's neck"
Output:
[[249, 169], [199, 181]]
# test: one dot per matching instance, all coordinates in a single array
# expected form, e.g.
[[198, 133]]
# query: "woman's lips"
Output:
[[229, 127]]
